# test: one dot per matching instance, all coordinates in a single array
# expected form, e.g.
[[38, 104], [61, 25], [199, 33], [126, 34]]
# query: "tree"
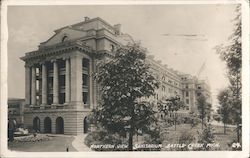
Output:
[[175, 104], [209, 111], [125, 81], [231, 53], [171, 106], [204, 108], [216, 116], [193, 119], [224, 110]]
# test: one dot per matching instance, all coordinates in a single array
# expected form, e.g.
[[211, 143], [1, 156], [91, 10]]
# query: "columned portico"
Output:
[[60, 87]]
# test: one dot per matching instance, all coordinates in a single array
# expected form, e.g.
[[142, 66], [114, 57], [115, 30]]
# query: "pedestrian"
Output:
[[11, 129]]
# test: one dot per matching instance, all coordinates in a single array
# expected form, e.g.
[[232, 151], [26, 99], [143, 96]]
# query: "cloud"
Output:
[[196, 37]]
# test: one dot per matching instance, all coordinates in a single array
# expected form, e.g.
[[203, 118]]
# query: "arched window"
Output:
[[47, 125], [163, 88], [112, 48], [65, 38], [59, 125], [163, 78], [85, 125], [36, 124]]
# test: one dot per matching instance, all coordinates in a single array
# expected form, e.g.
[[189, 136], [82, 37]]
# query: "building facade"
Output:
[[174, 83], [16, 110], [60, 90]]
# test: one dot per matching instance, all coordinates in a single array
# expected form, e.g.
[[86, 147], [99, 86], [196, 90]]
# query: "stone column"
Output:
[[194, 101], [95, 85], [27, 85], [53, 125], [90, 84], [33, 85], [55, 83], [44, 84], [76, 79], [67, 81]]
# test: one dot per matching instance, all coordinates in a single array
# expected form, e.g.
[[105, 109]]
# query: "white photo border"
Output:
[[245, 82]]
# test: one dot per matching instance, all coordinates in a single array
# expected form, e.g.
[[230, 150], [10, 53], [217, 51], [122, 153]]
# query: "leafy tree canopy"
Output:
[[126, 80]]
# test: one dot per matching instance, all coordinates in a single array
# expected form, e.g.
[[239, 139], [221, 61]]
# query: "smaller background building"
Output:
[[15, 110]]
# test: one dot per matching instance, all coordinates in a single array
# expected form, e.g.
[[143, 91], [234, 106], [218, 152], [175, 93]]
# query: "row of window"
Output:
[[170, 90], [13, 112], [61, 98], [157, 97], [186, 93], [14, 105], [170, 81]]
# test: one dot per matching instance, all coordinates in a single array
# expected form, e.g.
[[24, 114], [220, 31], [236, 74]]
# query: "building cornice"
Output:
[[57, 49], [28, 110]]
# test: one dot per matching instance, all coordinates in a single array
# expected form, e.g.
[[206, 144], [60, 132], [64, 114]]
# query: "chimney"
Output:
[[86, 18], [117, 28]]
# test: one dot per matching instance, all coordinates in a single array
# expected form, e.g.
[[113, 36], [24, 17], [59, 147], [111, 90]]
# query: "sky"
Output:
[[181, 36]]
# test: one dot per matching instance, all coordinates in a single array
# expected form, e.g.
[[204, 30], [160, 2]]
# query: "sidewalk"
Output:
[[78, 143], [215, 123]]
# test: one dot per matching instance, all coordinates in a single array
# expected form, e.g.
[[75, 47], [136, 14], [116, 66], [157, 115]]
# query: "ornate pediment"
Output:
[[64, 35]]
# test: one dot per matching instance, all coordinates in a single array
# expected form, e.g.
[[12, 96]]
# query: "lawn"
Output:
[[172, 137], [55, 144]]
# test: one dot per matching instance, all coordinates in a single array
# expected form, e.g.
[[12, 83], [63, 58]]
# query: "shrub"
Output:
[[186, 138], [102, 138], [235, 146], [194, 121], [206, 137], [32, 138], [152, 137]]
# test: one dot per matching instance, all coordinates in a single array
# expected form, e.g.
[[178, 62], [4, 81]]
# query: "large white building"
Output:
[[60, 90]]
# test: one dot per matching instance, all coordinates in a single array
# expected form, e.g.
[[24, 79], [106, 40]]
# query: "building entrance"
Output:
[[47, 125], [59, 125], [36, 124]]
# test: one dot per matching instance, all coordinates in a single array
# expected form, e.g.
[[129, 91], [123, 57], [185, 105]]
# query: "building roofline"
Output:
[[85, 22]]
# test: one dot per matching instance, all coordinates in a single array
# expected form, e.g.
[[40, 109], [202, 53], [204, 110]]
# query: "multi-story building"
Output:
[[60, 88], [174, 83], [16, 109]]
